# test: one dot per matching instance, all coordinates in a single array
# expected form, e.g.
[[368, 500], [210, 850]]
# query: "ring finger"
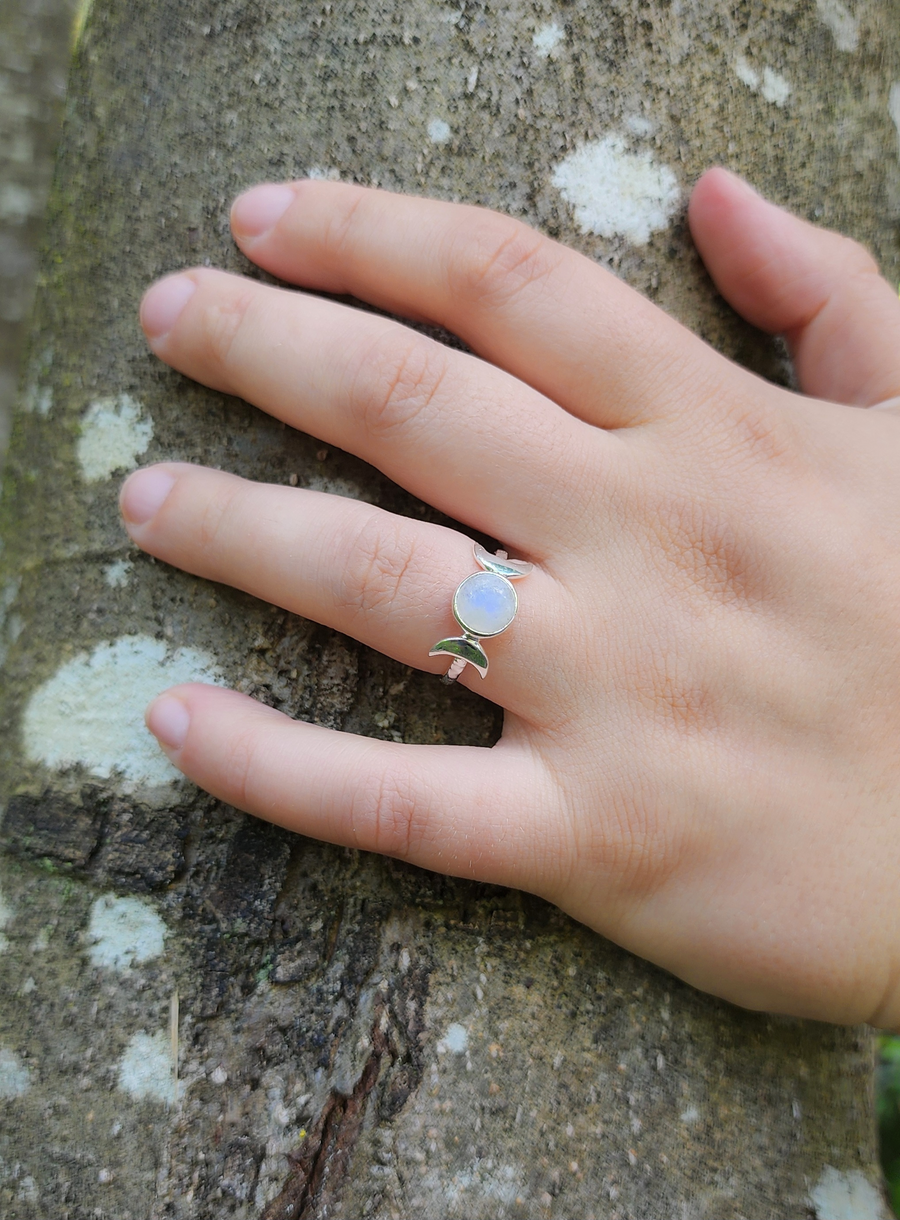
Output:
[[384, 579]]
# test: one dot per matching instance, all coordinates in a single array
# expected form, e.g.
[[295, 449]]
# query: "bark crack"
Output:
[[319, 1166]]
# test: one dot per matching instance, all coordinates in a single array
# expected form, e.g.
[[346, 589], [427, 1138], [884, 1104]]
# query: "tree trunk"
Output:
[[355, 1037], [34, 52]]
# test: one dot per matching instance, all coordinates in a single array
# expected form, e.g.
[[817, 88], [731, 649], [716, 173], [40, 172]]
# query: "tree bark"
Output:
[[35, 42], [355, 1037]]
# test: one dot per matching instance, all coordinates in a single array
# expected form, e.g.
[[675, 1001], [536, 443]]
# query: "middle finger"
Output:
[[460, 433]]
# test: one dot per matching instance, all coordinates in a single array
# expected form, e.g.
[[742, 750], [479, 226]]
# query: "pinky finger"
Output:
[[465, 810]]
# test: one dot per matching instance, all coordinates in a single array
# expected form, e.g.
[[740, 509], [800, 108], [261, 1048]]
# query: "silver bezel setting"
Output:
[[466, 649], [482, 635]]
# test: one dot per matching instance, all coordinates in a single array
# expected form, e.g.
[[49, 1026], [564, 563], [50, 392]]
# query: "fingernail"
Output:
[[256, 211], [144, 494], [168, 719], [162, 305]]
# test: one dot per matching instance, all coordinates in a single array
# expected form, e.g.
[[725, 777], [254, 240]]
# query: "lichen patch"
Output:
[[38, 394], [547, 39], [894, 106], [9, 622], [146, 1071], [15, 1077], [117, 574], [840, 20], [746, 72], [770, 85], [123, 932], [439, 131], [775, 88], [6, 914], [849, 1195], [114, 434], [91, 712], [615, 192], [455, 1040]]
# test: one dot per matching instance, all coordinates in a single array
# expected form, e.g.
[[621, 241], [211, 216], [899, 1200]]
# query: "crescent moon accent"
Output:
[[512, 569], [464, 648]]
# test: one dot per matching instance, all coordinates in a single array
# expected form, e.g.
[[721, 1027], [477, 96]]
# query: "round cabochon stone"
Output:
[[485, 604]]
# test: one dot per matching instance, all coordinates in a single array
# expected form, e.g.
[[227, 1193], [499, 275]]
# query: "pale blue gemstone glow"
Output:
[[485, 604]]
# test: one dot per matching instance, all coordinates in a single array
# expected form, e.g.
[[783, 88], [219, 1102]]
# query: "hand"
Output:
[[701, 751]]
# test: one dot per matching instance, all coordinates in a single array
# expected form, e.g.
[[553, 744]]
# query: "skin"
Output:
[[701, 746]]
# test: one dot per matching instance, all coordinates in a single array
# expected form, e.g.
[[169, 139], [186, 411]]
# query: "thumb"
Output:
[[822, 291]]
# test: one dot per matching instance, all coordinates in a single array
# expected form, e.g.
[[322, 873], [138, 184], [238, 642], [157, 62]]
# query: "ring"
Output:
[[484, 604]]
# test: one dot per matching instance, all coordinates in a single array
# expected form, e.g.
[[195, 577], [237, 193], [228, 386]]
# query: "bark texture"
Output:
[[355, 1037], [34, 53]]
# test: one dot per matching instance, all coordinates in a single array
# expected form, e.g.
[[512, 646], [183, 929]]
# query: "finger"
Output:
[[469, 811], [453, 430], [547, 314], [387, 580], [820, 290]]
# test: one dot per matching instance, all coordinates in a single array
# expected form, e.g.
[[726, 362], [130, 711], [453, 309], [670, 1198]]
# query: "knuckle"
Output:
[[242, 770], [380, 556], [855, 258], [224, 321], [743, 435], [338, 235], [396, 381], [495, 259], [214, 523], [387, 812], [704, 547]]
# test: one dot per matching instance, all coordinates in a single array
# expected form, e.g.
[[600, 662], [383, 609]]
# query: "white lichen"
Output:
[[547, 38], [28, 1191], [842, 23], [146, 1071], [501, 1182], [114, 434], [15, 1078], [640, 125], [116, 574], [91, 712], [37, 396], [439, 131], [770, 85], [9, 622], [41, 942], [324, 173], [745, 72], [17, 203], [124, 932], [455, 1040], [846, 1196], [6, 914], [617, 193], [894, 106], [775, 89]]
